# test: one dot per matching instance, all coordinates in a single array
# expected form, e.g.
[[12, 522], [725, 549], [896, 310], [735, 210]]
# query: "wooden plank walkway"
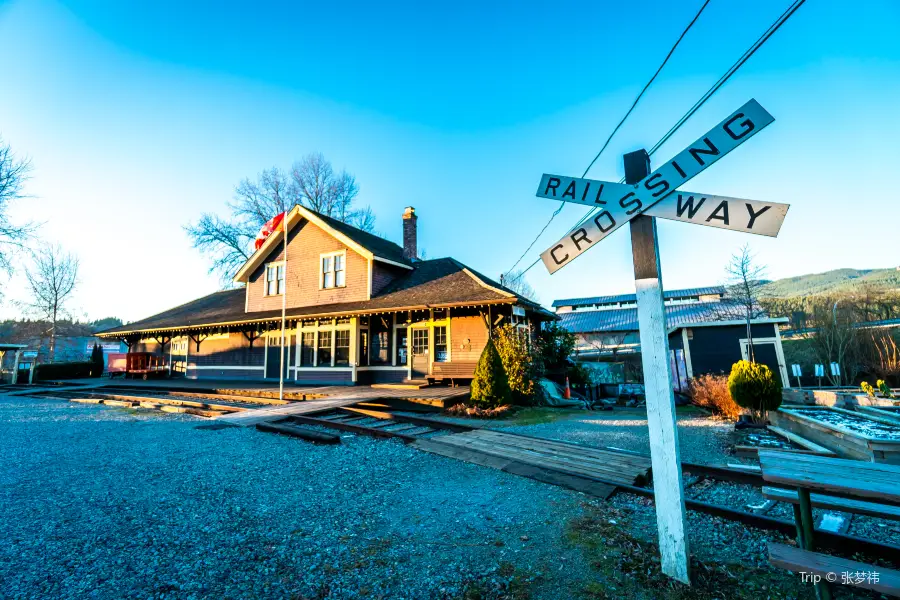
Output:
[[249, 418], [550, 455]]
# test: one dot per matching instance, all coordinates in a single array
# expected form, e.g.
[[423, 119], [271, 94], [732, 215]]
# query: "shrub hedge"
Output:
[[63, 370]]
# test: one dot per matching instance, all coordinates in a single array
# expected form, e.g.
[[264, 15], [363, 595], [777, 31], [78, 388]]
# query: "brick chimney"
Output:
[[409, 233]]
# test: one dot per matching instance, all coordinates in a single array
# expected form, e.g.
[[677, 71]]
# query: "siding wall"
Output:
[[473, 328], [382, 276], [324, 376], [305, 244], [715, 349], [234, 352]]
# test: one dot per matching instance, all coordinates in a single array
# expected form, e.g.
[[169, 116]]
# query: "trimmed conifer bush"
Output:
[[97, 361], [753, 387], [490, 386]]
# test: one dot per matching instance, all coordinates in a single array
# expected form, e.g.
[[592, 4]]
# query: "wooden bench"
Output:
[[847, 485], [834, 569], [858, 507], [452, 370]]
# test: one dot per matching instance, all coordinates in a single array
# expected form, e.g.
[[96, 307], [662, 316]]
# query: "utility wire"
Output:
[[615, 130], [709, 93], [715, 87]]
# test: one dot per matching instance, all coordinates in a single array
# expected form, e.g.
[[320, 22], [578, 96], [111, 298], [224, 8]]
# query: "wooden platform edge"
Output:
[[573, 482]]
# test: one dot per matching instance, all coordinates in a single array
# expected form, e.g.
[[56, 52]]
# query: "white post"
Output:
[[665, 455], [15, 374], [283, 306]]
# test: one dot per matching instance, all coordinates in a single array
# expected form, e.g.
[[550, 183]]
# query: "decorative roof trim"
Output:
[[487, 286], [308, 316], [392, 262]]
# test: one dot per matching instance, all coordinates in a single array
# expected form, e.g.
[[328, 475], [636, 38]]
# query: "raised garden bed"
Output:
[[840, 397], [847, 433], [888, 413]]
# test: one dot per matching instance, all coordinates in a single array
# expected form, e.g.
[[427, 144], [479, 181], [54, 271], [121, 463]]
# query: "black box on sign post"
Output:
[[637, 166]]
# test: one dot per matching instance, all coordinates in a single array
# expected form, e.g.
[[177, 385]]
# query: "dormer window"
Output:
[[275, 279], [334, 273]]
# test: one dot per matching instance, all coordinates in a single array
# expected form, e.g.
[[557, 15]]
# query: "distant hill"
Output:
[[839, 281]]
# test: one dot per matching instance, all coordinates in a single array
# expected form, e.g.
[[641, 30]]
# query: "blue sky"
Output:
[[139, 119]]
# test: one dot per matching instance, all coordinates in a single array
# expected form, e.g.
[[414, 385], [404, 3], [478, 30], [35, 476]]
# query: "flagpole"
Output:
[[283, 307]]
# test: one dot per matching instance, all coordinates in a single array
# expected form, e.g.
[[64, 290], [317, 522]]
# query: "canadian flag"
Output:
[[273, 225]]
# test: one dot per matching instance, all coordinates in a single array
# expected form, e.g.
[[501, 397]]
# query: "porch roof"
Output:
[[438, 283]]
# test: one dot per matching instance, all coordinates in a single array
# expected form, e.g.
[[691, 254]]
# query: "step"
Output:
[[405, 385]]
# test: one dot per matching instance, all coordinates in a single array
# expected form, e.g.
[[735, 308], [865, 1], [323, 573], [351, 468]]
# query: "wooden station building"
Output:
[[360, 309]]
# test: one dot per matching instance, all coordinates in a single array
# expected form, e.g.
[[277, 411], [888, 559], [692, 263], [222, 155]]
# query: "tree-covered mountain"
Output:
[[834, 283]]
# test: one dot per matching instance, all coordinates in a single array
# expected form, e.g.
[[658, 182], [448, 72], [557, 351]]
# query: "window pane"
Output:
[[324, 348], [342, 347], [307, 348], [339, 262], [420, 341], [339, 278], [440, 344], [380, 329], [401, 346], [326, 264], [281, 279], [328, 281]]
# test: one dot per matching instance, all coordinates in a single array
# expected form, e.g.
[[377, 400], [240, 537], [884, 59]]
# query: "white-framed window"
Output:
[[334, 270], [275, 279]]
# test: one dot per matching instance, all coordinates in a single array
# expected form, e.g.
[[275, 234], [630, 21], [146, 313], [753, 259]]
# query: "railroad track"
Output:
[[378, 423]]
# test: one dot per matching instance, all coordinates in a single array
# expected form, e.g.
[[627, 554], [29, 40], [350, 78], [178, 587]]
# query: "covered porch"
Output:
[[389, 346]]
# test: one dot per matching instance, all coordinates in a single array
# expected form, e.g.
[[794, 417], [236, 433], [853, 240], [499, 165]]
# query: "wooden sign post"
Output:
[[645, 197], [665, 453]]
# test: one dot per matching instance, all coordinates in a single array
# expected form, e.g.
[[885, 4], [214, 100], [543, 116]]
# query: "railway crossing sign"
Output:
[[740, 126], [645, 196], [736, 214]]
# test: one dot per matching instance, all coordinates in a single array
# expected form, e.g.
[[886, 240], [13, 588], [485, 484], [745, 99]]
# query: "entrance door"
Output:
[[767, 355], [421, 355]]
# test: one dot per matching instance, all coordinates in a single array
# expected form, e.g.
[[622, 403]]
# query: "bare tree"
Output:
[[745, 280], [52, 277], [835, 338], [13, 175], [515, 281], [311, 182]]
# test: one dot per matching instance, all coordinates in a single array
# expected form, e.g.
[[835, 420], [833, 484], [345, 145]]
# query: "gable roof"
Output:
[[368, 245], [437, 283]]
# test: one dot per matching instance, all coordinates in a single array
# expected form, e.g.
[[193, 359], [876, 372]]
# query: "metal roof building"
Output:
[[707, 331]]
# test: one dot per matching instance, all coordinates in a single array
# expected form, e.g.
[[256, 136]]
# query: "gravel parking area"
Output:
[[99, 502]]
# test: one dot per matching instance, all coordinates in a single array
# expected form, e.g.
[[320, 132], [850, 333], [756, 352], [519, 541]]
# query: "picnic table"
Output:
[[847, 485]]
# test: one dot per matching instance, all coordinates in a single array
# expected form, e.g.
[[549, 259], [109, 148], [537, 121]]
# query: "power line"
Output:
[[615, 130], [709, 93], [715, 87]]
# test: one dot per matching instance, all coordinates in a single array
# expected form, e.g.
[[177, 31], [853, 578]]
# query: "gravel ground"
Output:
[[711, 538], [98, 502]]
